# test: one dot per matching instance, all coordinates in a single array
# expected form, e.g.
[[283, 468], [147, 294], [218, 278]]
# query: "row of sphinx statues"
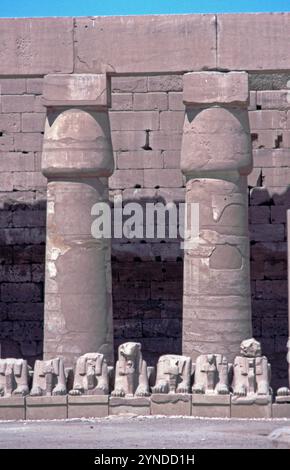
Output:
[[249, 375]]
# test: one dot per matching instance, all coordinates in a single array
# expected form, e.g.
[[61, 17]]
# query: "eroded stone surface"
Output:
[[189, 42], [14, 376], [76, 90], [49, 378], [36, 46], [77, 159], [244, 40], [129, 405], [93, 406], [251, 379], [12, 408], [177, 404], [46, 407], [131, 377], [173, 374], [215, 158], [215, 87], [211, 375], [91, 375]]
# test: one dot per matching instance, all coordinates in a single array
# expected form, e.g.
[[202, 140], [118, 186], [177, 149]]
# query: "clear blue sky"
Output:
[[28, 8]]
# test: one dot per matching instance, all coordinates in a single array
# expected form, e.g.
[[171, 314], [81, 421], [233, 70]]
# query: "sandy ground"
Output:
[[141, 433]]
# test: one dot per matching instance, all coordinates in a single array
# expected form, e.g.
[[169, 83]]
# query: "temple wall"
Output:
[[146, 122]]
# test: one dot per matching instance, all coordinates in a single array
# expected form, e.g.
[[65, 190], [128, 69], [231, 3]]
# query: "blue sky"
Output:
[[28, 8]]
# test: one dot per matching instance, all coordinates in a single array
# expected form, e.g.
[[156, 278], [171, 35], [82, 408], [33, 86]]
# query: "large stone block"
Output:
[[253, 41], [175, 404], [134, 121], [215, 87], [145, 44], [85, 406], [36, 46], [76, 89], [244, 408], [46, 407], [211, 406], [12, 408], [136, 405]]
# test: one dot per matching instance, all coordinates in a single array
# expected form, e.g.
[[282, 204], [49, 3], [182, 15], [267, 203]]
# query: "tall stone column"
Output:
[[77, 159], [216, 159]]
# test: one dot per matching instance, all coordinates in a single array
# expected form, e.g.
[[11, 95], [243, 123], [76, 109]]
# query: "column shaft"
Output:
[[216, 157], [77, 160]]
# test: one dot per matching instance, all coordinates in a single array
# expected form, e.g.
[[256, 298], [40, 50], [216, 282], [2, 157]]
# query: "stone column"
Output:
[[216, 159], [77, 159]]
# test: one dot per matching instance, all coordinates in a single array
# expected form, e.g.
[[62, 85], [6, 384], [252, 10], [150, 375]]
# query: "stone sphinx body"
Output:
[[131, 372], [173, 374], [251, 372], [91, 375], [49, 378], [211, 374], [14, 374]]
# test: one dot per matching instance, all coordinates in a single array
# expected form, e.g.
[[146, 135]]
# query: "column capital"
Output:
[[215, 88], [73, 90]]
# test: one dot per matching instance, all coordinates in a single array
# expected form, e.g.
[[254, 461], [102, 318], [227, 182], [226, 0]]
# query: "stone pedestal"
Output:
[[175, 404], [133, 406], [211, 406], [77, 159], [12, 408], [46, 407], [216, 159], [251, 408], [281, 410], [84, 406]]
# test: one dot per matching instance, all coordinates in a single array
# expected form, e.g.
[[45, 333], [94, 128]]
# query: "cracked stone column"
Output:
[[216, 159], [77, 159]]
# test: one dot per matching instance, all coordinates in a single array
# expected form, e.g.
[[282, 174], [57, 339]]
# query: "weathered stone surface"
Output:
[[173, 374], [215, 88], [78, 272], [281, 410], [253, 41], [221, 281], [131, 377], [134, 405], [36, 46], [76, 90], [12, 408], [90, 150], [211, 375], [216, 139], [46, 407], [91, 375], [211, 399], [13, 377], [215, 158], [252, 410], [211, 406], [251, 379], [96, 406], [49, 378], [175, 404], [168, 43]]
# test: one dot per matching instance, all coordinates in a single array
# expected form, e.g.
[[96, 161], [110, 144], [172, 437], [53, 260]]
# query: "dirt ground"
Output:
[[141, 433]]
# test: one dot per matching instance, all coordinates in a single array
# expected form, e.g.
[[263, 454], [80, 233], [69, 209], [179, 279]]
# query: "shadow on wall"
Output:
[[22, 254], [268, 238], [147, 290]]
